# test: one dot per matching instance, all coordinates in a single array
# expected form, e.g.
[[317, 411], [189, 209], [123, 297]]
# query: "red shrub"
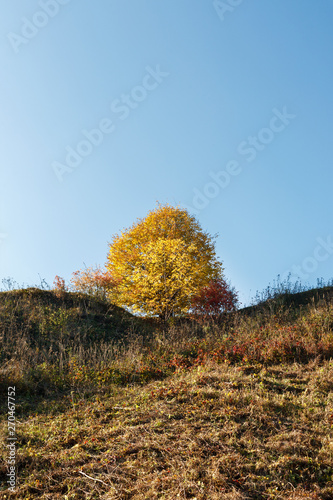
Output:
[[217, 297]]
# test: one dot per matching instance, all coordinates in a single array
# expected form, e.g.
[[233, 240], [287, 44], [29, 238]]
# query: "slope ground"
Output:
[[109, 407]]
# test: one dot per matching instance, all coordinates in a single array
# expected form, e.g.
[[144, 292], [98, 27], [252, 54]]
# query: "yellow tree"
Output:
[[161, 262]]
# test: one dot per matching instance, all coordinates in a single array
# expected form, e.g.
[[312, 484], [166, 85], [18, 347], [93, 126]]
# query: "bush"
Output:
[[94, 281], [214, 299]]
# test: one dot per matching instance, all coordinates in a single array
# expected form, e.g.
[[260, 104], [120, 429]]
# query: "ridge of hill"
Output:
[[44, 318], [23, 303], [292, 300]]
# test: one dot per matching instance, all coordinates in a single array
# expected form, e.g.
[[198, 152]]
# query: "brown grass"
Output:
[[181, 414]]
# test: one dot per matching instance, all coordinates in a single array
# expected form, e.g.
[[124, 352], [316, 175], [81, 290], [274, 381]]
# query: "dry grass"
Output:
[[216, 431], [243, 411]]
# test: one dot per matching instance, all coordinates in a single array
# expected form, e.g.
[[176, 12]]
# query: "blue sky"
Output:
[[223, 107]]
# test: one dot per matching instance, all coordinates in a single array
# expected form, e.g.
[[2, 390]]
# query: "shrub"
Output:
[[214, 299], [94, 281], [59, 286]]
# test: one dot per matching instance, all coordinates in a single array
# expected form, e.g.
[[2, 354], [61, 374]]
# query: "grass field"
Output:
[[110, 406]]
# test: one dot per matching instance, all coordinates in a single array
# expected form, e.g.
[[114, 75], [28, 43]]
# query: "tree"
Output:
[[162, 261], [212, 300]]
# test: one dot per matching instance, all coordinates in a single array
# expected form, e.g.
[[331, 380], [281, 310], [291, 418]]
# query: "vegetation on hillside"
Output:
[[113, 406]]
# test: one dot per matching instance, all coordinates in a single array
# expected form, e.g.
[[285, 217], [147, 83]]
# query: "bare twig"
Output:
[[99, 480], [122, 408]]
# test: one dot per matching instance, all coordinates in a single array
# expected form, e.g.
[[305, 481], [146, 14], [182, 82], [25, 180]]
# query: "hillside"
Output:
[[109, 407], [38, 326], [36, 311]]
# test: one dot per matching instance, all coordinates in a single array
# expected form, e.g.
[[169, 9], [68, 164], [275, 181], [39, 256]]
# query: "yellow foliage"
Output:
[[162, 261]]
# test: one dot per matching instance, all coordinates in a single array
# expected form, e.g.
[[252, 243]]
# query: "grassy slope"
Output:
[[245, 412]]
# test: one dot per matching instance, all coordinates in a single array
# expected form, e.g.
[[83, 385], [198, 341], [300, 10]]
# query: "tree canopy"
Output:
[[161, 262]]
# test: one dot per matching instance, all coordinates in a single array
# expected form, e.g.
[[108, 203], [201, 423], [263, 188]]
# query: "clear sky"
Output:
[[225, 108]]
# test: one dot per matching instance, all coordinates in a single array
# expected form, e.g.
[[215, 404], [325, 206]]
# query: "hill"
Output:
[[39, 326], [108, 406]]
